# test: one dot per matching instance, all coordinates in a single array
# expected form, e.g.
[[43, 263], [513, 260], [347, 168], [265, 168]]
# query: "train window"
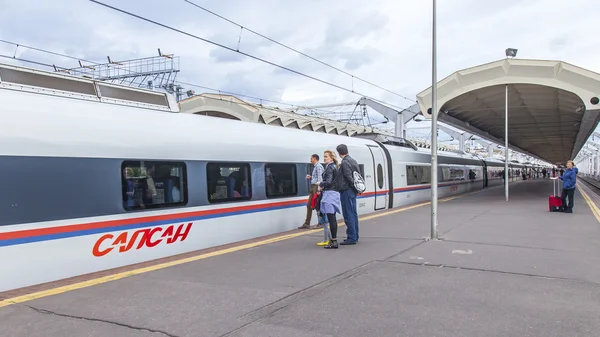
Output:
[[495, 173], [281, 180], [153, 184], [228, 182], [309, 169], [452, 174], [475, 173], [418, 175], [380, 176]]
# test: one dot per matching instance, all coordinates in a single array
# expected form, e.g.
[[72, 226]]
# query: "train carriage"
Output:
[[91, 184]]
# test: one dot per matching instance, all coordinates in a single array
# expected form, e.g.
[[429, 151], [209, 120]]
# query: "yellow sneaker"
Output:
[[323, 243]]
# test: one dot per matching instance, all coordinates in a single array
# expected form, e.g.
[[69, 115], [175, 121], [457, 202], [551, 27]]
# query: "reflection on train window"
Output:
[[475, 173], [361, 168], [153, 184], [280, 180], [380, 176], [228, 182], [452, 174], [417, 175], [494, 172]]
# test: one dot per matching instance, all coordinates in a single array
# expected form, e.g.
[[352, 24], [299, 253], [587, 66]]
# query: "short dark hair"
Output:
[[342, 149], [316, 156]]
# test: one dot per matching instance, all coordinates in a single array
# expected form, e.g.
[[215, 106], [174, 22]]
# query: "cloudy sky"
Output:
[[383, 41]]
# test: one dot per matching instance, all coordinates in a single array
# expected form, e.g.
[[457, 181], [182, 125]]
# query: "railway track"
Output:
[[593, 184]]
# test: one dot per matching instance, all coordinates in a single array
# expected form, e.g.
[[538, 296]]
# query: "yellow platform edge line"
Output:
[[118, 276], [591, 204]]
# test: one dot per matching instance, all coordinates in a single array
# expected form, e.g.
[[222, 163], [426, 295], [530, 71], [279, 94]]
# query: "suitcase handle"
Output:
[[554, 184]]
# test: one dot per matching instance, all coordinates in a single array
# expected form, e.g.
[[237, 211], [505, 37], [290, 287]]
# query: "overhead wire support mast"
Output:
[[236, 51], [506, 142], [434, 140], [297, 51]]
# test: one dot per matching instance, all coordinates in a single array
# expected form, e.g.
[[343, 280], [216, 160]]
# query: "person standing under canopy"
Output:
[[569, 179]]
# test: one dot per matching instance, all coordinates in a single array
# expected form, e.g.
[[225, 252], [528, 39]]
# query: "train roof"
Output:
[[37, 121], [40, 125]]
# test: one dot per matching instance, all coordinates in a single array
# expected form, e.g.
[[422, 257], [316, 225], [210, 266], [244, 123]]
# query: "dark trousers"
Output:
[[332, 225], [309, 210], [350, 213], [567, 193]]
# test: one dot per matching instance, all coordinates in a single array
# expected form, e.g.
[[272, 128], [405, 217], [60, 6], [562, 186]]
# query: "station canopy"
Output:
[[553, 106], [231, 107]]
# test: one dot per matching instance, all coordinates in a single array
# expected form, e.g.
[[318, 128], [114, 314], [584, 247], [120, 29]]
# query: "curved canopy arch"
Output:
[[552, 110], [231, 107], [219, 114]]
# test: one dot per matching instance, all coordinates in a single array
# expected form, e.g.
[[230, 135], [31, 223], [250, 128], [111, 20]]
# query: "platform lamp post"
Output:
[[510, 52], [434, 118]]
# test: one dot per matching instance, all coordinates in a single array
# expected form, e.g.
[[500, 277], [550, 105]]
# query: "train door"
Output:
[[485, 174], [379, 177]]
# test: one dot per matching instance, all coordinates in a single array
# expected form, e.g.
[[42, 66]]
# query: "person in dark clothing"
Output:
[[330, 202], [348, 194], [569, 179]]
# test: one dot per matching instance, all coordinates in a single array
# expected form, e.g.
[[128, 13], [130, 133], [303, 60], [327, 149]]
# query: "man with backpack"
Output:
[[348, 190]]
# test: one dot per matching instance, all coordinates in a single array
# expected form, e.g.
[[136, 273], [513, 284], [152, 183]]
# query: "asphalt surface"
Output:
[[502, 269]]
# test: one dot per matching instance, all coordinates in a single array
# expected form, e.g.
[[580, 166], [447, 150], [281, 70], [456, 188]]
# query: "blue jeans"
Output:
[[350, 213]]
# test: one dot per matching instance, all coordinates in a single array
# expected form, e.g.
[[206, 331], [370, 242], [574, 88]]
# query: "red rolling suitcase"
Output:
[[555, 202]]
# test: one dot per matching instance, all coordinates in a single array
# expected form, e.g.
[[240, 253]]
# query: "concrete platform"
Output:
[[503, 269]]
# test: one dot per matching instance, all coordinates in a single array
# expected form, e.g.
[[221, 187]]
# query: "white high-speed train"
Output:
[[89, 186]]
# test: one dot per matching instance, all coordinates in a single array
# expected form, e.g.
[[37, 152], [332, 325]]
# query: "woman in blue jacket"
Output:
[[569, 179]]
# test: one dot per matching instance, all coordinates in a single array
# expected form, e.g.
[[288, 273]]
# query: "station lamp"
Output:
[[511, 52]]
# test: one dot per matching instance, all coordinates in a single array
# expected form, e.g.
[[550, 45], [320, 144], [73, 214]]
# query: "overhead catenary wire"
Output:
[[240, 52], [25, 60], [297, 51]]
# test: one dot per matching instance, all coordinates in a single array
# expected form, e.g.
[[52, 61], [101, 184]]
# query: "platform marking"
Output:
[[118, 276], [590, 203]]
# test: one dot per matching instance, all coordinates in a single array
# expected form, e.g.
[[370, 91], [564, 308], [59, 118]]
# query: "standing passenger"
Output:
[[348, 194], [315, 179], [330, 201], [569, 184]]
